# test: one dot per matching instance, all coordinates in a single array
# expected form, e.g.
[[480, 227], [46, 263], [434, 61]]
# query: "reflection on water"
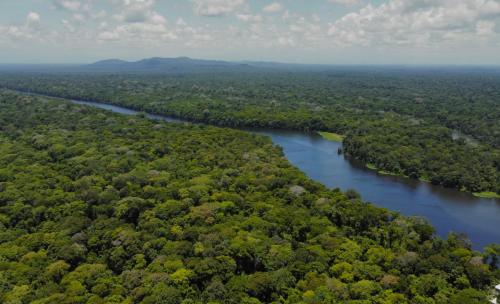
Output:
[[447, 209]]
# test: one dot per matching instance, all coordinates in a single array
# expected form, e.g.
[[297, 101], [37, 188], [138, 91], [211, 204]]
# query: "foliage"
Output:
[[101, 208], [331, 136], [441, 126]]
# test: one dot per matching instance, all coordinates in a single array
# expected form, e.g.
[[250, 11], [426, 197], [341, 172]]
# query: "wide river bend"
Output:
[[447, 209]]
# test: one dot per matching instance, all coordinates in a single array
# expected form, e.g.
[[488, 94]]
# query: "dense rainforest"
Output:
[[96, 207], [441, 126]]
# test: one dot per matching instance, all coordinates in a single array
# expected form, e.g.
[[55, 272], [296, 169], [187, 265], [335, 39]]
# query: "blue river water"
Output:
[[447, 209]]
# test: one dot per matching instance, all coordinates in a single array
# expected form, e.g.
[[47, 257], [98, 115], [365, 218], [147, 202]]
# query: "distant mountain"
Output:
[[165, 65], [185, 65], [178, 65], [110, 62]]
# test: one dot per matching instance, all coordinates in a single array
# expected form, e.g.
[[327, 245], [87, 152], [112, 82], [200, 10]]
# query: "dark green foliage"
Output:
[[442, 126], [90, 212]]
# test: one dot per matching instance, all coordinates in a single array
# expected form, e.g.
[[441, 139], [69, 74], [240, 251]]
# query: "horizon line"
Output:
[[374, 64]]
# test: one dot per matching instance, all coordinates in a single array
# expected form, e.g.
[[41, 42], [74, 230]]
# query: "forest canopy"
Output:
[[96, 207], [441, 126]]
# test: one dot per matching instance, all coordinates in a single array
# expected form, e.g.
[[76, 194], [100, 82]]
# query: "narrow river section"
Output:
[[447, 209]]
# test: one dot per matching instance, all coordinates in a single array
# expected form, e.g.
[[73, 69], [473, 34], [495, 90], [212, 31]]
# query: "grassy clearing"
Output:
[[424, 179], [486, 194], [331, 136], [388, 173]]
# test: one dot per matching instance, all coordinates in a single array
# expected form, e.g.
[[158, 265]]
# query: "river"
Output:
[[447, 209]]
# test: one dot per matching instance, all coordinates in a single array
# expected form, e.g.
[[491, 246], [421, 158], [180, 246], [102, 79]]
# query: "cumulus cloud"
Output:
[[345, 2], [135, 10], [28, 31], [273, 8], [68, 26], [249, 17], [286, 41], [81, 10], [217, 8], [138, 32], [394, 25], [181, 22], [99, 15], [420, 23], [70, 5], [108, 36], [33, 18], [485, 28], [140, 22], [73, 5]]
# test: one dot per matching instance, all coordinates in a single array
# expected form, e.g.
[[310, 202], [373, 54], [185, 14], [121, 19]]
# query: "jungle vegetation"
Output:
[[441, 126], [96, 208]]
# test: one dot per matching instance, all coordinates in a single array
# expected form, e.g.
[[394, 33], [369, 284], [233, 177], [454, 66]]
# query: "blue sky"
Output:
[[307, 31]]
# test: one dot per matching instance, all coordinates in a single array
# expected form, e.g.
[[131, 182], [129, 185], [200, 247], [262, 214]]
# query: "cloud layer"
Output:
[[423, 23], [216, 8], [326, 27]]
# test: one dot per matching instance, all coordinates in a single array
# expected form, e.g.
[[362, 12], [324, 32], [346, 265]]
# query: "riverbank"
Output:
[[484, 194], [339, 138], [330, 136], [447, 209]]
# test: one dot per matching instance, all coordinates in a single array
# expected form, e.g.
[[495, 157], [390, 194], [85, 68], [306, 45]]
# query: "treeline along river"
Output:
[[447, 209]]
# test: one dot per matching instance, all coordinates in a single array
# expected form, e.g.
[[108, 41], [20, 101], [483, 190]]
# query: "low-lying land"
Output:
[[96, 207], [332, 136], [403, 122], [487, 194]]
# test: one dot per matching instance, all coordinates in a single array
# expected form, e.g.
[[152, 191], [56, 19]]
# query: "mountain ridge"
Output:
[[163, 64]]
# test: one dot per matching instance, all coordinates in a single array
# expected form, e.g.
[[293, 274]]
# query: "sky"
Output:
[[457, 32]]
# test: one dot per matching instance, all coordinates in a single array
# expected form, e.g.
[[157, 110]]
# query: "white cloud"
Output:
[[73, 5], [81, 10], [28, 31], [140, 22], [249, 17], [108, 36], [345, 2], [181, 22], [32, 18], [263, 28], [156, 18], [138, 32], [134, 10], [273, 8], [420, 23], [216, 8], [485, 28], [99, 15], [286, 41], [70, 5], [79, 17], [68, 26]]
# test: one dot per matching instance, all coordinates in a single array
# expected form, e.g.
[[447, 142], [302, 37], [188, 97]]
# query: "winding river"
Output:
[[447, 209]]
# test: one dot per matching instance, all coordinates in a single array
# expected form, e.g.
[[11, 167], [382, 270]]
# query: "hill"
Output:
[[165, 65]]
